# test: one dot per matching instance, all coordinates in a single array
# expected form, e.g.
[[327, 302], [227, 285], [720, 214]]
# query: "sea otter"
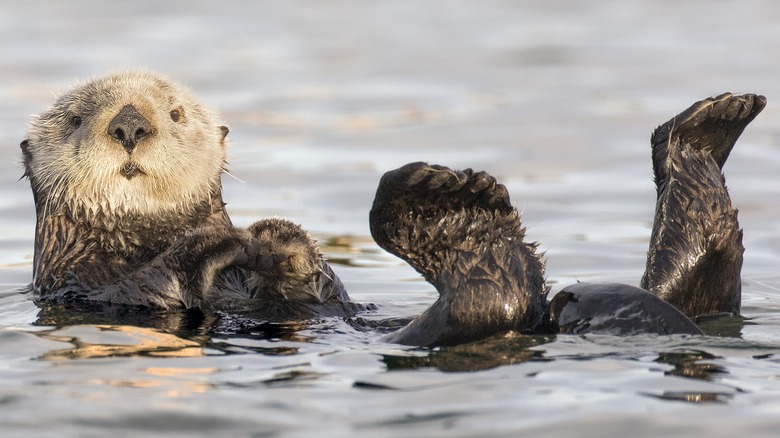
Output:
[[125, 172]]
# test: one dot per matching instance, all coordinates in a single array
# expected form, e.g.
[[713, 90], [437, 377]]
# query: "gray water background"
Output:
[[555, 98]]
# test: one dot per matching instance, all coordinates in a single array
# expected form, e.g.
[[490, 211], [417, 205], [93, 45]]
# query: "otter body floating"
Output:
[[125, 172]]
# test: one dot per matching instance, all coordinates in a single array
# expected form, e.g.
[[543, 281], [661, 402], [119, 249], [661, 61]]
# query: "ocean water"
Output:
[[555, 98]]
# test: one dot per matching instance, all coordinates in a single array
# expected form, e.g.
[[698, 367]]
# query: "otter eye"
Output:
[[75, 121], [176, 114]]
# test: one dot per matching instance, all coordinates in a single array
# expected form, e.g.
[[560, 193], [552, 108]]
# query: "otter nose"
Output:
[[128, 127]]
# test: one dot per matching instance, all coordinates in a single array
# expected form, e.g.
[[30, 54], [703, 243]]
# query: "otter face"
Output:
[[127, 143]]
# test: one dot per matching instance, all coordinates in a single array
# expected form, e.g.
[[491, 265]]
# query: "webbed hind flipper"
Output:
[[459, 230], [712, 125], [695, 254]]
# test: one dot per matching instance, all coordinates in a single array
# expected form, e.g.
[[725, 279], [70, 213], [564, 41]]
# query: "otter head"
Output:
[[130, 143]]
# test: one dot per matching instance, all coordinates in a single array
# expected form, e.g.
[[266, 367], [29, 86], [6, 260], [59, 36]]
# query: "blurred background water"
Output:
[[555, 98]]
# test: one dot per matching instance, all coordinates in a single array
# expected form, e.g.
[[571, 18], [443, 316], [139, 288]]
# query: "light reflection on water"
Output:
[[555, 98]]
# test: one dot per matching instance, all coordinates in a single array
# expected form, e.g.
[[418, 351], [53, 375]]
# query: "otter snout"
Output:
[[129, 127]]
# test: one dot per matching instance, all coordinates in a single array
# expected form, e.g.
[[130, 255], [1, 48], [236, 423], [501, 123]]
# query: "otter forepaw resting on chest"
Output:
[[298, 271], [201, 254]]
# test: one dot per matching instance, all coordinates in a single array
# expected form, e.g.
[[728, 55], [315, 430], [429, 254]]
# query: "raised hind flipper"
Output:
[[695, 254], [459, 230]]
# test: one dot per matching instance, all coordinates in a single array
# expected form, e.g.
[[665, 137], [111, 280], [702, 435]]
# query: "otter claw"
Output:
[[441, 178], [482, 181], [423, 177]]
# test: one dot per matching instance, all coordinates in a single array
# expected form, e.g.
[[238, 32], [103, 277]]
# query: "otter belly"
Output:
[[616, 309]]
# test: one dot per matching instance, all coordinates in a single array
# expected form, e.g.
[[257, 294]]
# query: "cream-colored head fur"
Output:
[[75, 164]]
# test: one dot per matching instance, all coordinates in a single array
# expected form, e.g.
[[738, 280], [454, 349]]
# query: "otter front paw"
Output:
[[198, 256], [296, 271]]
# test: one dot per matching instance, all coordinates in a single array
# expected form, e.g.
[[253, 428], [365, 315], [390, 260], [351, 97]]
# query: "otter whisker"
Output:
[[227, 172], [323, 272]]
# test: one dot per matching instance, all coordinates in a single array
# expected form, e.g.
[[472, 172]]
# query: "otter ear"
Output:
[[25, 145], [224, 130], [27, 155]]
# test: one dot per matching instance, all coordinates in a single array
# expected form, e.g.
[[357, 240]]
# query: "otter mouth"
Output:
[[130, 170]]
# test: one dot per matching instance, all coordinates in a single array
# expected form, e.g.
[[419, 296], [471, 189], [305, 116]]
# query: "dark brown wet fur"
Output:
[[459, 230], [616, 309], [695, 256]]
